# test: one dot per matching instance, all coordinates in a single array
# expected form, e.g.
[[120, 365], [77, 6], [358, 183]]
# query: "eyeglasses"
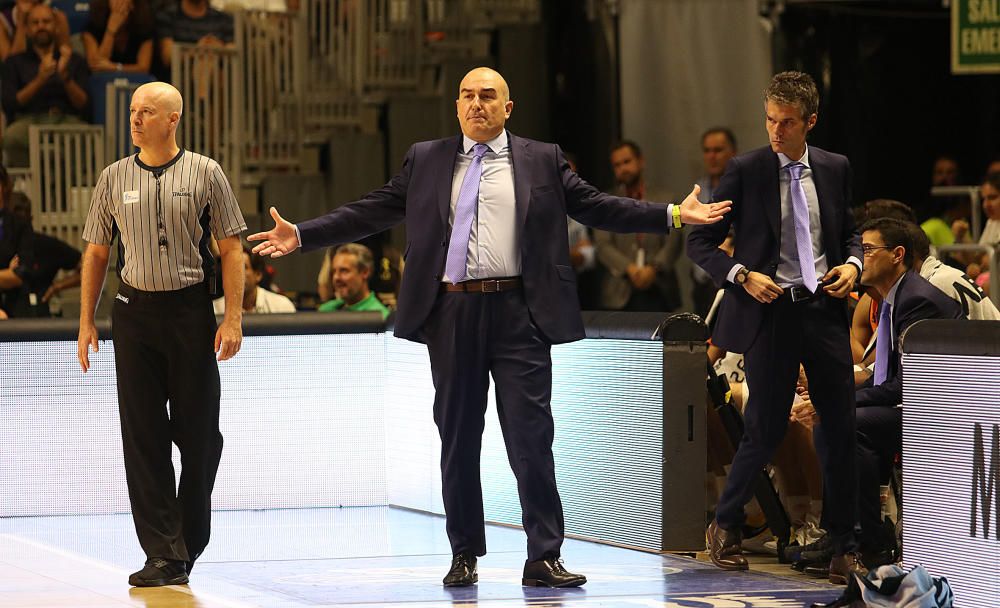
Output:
[[869, 250]]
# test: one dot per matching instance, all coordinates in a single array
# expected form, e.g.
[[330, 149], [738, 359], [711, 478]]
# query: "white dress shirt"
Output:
[[494, 244]]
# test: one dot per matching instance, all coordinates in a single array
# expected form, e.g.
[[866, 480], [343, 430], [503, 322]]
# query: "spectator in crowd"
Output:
[[718, 145], [639, 268], [16, 252], [50, 256], [350, 267], [990, 196], [785, 308], [43, 85], [256, 299], [945, 171], [385, 276], [908, 298], [14, 27], [979, 270], [119, 36], [952, 281], [993, 167], [192, 22], [948, 219]]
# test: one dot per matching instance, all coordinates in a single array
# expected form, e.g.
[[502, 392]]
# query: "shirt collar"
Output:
[[496, 145], [784, 160]]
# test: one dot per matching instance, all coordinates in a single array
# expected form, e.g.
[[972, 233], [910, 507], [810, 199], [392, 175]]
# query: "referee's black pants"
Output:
[[164, 353]]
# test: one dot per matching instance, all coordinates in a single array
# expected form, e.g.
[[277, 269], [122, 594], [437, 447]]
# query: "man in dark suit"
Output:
[[489, 288], [797, 256], [906, 298]]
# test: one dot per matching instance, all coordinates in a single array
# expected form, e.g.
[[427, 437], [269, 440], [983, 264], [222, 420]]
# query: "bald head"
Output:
[[154, 114], [485, 76], [161, 94], [483, 104]]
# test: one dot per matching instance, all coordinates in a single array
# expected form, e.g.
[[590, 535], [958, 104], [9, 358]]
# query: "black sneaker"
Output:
[[159, 572]]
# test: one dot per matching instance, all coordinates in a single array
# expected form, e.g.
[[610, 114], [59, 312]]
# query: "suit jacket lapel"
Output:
[[827, 206], [772, 196], [520, 157], [445, 167]]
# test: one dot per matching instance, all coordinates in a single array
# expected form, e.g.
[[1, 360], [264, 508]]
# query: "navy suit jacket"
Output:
[[751, 182], [545, 191], [916, 299]]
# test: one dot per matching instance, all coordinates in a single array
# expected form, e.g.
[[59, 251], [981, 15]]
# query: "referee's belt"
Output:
[[483, 285]]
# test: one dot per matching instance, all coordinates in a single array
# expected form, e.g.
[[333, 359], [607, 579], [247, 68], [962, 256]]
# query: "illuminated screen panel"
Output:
[[945, 399], [607, 405], [302, 420]]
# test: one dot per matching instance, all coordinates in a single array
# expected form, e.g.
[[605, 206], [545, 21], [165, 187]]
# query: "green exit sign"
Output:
[[975, 36]]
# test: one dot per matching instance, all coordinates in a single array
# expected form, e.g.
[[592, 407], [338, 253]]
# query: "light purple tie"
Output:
[[803, 236], [883, 343], [465, 210]]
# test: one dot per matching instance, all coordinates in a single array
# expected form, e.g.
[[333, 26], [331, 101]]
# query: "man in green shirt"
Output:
[[349, 271]]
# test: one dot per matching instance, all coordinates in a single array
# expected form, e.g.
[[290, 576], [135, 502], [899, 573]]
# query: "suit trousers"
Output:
[[164, 354], [814, 333], [470, 336], [880, 438]]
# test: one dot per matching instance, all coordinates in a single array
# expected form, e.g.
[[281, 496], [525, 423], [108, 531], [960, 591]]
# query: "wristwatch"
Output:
[[741, 275]]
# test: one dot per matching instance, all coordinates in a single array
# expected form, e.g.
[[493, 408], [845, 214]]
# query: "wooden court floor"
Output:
[[370, 557]]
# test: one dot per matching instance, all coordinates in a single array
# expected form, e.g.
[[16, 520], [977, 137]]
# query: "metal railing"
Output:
[[209, 79], [972, 193], [118, 139], [66, 161], [271, 46]]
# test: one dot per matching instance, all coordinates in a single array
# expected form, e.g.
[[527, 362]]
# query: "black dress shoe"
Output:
[[793, 553], [463, 571], [550, 573], [159, 572]]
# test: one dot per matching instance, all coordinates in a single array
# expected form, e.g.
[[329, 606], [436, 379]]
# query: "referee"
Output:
[[163, 204]]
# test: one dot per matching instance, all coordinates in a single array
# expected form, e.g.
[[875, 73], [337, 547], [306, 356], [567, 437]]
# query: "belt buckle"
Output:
[[800, 293], [491, 286]]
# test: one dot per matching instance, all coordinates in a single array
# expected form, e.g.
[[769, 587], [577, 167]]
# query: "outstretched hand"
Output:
[[278, 241], [694, 211]]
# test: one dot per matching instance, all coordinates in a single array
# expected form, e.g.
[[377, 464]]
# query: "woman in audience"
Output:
[[119, 36], [980, 271]]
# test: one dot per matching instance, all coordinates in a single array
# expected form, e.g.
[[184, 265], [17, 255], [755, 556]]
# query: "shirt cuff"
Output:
[[670, 216], [854, 260], [731, 277], [298, 235]]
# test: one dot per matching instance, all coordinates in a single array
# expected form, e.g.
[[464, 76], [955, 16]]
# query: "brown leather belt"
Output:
[[483, 285]]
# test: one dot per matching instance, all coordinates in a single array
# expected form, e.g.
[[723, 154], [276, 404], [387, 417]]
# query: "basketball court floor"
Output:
[[355, 557]]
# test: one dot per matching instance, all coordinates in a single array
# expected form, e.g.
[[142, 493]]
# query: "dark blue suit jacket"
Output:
[[545, 191], [916, 299], [751, 181]]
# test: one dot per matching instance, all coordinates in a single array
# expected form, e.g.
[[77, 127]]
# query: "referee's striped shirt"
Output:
[[164, 216]]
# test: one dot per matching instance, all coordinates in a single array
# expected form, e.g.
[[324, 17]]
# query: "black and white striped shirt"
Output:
[[164, 216]]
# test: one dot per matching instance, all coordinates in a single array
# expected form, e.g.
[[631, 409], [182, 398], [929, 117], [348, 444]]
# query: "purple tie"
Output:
[[465, 210], [883, 343], [803, 237]]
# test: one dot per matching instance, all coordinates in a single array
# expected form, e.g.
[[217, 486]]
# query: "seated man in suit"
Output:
[[906, 298]]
